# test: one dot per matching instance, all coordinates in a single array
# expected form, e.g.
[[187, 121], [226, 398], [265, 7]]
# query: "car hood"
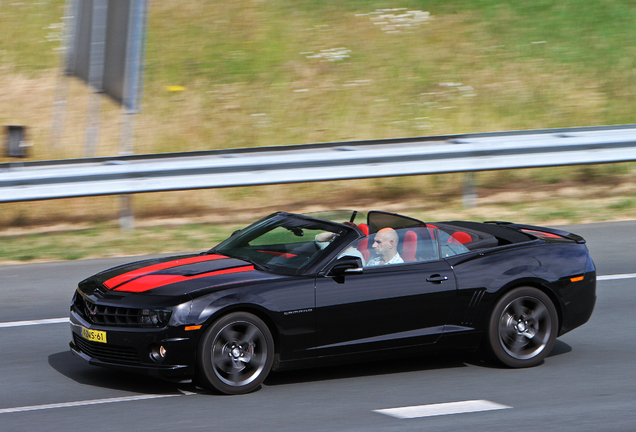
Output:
[[175, 276]]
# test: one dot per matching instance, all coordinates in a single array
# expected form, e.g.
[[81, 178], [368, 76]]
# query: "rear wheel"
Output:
[[236, 354], [522, 328]]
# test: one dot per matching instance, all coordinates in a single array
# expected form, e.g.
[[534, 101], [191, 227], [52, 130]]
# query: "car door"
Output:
[[383, 307]]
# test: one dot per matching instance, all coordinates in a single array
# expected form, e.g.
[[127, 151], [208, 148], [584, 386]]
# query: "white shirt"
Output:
[[397, 259]]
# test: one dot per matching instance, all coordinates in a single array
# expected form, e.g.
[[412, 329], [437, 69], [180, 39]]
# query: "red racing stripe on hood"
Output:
[[148, 282], [125, 277]]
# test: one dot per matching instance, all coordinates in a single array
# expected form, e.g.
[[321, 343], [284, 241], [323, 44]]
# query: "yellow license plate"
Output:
[[94, 335]]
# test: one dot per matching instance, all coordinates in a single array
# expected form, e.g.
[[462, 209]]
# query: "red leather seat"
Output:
[[409, 246], [460, 237], [363, 245]]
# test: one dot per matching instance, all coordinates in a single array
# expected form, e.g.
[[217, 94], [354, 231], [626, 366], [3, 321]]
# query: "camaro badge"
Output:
[[297, 311]]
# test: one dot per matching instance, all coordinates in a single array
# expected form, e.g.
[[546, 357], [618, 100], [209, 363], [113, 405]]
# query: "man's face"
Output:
[[381, 245]]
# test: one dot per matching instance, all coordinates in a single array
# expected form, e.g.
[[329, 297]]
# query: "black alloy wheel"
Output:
[[522, 328], [236, 354]]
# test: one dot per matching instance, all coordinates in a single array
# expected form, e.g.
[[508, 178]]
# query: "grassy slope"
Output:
[[257, 73], [532, 64]]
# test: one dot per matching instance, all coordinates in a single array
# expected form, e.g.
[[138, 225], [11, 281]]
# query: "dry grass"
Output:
[[544, 205], [255, 73]]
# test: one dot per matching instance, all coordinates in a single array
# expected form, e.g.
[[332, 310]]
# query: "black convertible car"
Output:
[[293, 290]]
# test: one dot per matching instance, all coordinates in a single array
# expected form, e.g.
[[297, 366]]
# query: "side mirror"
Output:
[[346, 265]]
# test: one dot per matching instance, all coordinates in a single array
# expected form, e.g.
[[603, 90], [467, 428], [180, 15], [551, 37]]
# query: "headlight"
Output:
[[154, 317], [180, 314]]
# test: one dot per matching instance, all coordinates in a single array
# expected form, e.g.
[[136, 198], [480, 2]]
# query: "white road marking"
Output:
[[34, 322], [442, 409], [401, 413], [616, 276], [84, 403]]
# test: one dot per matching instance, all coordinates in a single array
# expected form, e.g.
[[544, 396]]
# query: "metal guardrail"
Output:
[[42, 180]]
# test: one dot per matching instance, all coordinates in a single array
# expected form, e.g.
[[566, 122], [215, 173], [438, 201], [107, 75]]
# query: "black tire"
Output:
[[236, 354], [522, 328]]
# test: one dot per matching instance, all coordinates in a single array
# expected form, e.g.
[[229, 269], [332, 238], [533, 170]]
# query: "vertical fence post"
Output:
[[131, 97], [470, 191], [62, 84], [126, 215], [96, 75]]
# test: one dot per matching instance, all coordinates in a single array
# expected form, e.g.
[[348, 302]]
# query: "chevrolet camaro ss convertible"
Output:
[[297, 290]]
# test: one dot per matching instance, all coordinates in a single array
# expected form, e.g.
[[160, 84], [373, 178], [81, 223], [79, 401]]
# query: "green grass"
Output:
[[107, 240], [555, 207], [521, 65], [257, 74], [30, 35], [623, 204]]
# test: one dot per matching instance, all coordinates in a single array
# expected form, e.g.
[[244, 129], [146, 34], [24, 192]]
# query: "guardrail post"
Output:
[[470, 191], [126, 215]]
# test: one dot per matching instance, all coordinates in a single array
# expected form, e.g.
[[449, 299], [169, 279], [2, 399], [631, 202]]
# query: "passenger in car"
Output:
[[385, 246], [323, 240]]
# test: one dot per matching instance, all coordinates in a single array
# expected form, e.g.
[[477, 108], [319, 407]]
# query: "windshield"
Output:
[[281, 243]]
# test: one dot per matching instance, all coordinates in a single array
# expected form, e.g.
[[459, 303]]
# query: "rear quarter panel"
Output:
[[482, 278]]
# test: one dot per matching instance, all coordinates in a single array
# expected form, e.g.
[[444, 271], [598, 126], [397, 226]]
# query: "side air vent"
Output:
[[478, 295]]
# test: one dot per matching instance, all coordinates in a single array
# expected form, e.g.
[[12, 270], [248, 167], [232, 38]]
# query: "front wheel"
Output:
[[522, 328], [236, 354]]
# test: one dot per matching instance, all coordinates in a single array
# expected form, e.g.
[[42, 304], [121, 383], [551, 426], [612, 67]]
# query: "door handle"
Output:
[[436, 278]]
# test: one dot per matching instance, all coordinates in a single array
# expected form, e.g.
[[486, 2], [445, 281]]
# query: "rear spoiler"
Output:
[[541, 232]]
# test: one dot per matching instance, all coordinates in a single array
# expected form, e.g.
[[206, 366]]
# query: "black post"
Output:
[[16, 143]]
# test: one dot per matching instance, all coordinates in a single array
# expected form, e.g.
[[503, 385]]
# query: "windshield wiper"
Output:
[[256, 264]]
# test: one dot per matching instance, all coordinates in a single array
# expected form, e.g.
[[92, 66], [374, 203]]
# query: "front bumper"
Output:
[[130, 348]]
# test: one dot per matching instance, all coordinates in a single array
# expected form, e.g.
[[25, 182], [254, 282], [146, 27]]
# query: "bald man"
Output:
[[385, 246]]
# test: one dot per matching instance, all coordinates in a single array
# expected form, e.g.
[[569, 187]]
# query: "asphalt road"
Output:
[[588, 383]]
